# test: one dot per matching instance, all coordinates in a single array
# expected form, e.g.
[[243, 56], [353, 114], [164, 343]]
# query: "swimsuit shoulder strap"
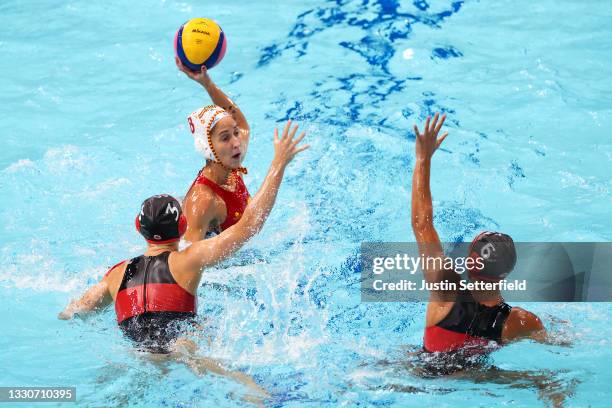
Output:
[[112, 268], [460, 315], [201, 179], [131, 270]]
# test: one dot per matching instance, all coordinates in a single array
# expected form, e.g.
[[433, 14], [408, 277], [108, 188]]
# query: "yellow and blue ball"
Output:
[[198, 42]]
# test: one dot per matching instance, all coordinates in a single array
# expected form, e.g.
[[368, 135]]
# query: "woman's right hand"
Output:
[[286, 147], [428, 142], [201, 77]]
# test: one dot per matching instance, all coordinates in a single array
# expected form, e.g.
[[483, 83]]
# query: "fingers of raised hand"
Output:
[[416, 131], [286, 129], [182, 67], [299, 139], [435, 122], [275, 135], [427, 125], [293, 131], [180, 64], [441, 139], [300, 149], [439, 125]]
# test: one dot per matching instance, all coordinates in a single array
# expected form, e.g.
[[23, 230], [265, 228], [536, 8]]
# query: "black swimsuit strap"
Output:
[[470, 317], [489, 322]]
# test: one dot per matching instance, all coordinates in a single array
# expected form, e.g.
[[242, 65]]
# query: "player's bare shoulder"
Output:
[[114, 276], [522, 323], [201, 201]]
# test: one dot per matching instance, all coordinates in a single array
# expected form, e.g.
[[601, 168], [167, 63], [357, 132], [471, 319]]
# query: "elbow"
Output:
[[416, 225], [416, 221], [251, 224]]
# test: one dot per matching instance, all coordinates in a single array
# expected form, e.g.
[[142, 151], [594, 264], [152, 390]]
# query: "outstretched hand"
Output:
[[201, 77], [285, 147], [68, 312], [428, 142]]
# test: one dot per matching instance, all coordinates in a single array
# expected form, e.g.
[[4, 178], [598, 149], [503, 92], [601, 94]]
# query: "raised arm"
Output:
[[422, 207], [213, 250], [219, 98]]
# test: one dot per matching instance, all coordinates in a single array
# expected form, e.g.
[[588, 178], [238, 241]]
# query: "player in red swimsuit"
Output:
[[218, 196], [155, 293], [461, 320]]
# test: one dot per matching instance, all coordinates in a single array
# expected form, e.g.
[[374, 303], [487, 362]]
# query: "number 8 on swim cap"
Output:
[[200, 41]]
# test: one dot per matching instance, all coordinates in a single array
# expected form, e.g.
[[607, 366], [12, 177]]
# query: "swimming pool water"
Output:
[[93, 121]]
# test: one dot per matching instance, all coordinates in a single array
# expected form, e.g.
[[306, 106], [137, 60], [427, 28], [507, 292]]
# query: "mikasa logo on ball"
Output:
[[196, 30]]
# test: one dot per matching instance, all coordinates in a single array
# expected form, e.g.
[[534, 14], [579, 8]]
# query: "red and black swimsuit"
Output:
[[150, 304], [235, 201], [464, 338], [468, 326]]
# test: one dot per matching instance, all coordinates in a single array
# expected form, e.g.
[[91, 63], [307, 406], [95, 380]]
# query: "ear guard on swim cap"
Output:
[[496, 252], [161, 220], [201, 124], [182, 225]]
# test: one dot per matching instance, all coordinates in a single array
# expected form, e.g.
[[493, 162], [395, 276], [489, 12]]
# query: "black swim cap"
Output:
[[161, 219], [497, 253]]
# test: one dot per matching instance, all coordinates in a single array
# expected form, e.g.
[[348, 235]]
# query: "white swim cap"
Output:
[[201, 124]]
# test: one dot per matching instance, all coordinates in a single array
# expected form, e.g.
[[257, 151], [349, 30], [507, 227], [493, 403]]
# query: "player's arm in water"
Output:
[[219, 98], [522, 324], [422, 208], [211, 251], [97, 297]]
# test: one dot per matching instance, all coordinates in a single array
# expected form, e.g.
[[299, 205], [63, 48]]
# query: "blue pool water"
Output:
[[93, 121]]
